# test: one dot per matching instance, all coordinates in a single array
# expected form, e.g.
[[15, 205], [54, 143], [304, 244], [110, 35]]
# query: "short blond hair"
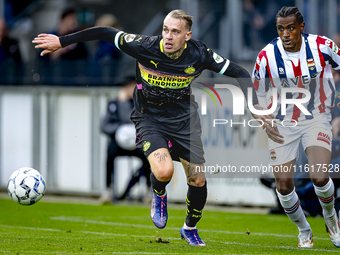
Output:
[[179, 14]]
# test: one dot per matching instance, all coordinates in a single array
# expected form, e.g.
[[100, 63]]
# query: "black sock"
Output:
[[158, 187], [196, 198]]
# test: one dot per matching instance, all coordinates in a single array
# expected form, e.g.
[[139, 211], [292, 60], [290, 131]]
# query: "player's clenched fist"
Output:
[[48, 42]]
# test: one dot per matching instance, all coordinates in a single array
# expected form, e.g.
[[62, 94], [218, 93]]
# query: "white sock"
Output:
[[188, 228], [326, 198], [292, 208]]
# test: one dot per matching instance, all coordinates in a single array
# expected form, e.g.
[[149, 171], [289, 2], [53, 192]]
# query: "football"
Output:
[[126, 137], [26, 186]]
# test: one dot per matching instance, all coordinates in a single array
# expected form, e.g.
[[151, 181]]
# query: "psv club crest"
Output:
[[190, 70]]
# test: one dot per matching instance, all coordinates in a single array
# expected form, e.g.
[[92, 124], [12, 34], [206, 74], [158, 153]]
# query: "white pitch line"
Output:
[[77, 219], [83, 232], [32, 228], [279, 247], [173, 238]]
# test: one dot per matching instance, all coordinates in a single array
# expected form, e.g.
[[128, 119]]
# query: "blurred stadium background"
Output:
[[51, 120]]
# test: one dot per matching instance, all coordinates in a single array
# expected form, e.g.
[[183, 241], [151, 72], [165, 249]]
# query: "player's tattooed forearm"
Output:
[[161, 156]]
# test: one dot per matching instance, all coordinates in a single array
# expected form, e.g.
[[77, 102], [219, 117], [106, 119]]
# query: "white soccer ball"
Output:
[[26, 186], [126, 137]]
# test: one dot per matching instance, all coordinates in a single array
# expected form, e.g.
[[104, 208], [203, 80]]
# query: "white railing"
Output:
[[57, 131]]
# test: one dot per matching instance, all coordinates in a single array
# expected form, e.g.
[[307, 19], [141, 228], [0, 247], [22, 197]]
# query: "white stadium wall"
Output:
[[56, 130], [16, 132]]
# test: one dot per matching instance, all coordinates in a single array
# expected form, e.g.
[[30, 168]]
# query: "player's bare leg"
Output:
[[290, 202], [318, 162], [196, 198], [162, 169]]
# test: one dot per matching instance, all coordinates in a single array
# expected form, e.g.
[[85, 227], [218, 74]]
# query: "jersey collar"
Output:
[[162, 49]]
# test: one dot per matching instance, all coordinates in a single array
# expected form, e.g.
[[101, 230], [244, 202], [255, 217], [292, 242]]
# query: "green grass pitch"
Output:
[[68, 228]]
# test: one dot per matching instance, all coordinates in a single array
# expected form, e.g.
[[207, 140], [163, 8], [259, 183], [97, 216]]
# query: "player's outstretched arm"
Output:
[[243, 78], [50, 43]]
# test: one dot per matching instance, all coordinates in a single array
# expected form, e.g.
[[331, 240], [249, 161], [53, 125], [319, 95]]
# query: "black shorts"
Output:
[[182, 139]]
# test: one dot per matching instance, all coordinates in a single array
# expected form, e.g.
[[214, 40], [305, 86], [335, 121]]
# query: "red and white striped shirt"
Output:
[[310, 69]]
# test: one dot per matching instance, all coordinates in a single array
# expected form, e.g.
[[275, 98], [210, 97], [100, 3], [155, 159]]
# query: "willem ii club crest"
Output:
[[273, 155], [310, 64]]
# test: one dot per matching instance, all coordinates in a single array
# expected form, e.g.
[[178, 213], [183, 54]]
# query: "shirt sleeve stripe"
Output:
[[225, 67], [117, 39]]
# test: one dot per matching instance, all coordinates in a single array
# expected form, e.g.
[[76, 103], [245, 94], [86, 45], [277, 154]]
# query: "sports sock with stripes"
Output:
[[326, 198], [158, 187], [292, 208], [196, 198]]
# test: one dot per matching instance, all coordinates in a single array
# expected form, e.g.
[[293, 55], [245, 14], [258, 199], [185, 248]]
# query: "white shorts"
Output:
[[314, 132]]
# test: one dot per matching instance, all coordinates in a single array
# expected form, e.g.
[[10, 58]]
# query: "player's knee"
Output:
[[164, 173], [285, 187], [197, 182], [320, 182]]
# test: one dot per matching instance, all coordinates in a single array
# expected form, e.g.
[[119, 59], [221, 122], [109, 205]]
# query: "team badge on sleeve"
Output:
[[218, 59], [335, 48], [129, 37]]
